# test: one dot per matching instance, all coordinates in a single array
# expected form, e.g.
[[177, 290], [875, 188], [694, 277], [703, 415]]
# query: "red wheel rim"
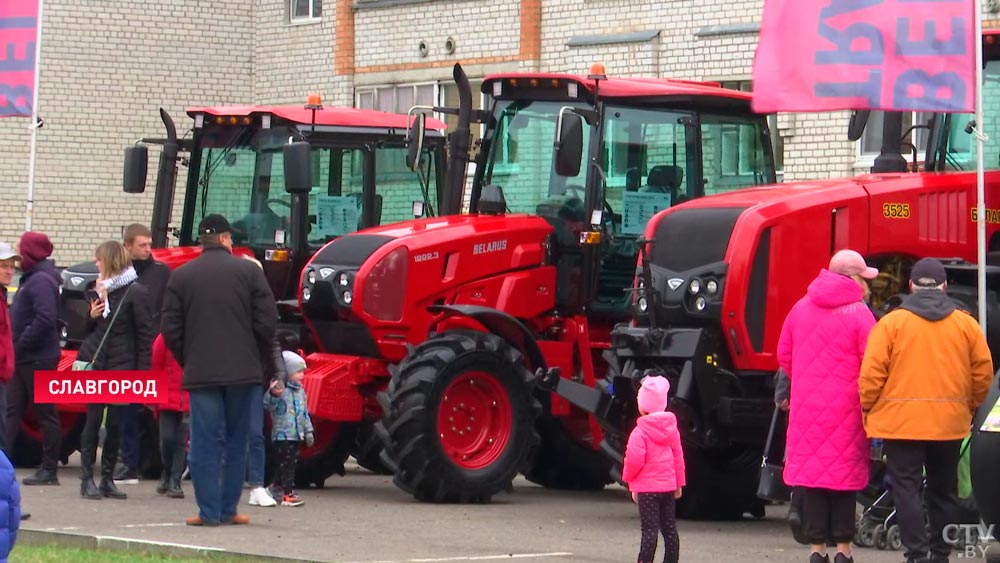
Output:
[[474, 420]]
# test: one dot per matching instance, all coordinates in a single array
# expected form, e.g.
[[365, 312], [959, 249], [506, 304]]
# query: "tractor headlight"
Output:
[[712, 287], [643, 304], [695, 286], [348, 297], [700, 304], [311, 277], [306, 293], [343, 280]]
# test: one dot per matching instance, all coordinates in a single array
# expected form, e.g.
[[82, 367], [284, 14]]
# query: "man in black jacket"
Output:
[[219, 319], [153, 275], [34, 319]]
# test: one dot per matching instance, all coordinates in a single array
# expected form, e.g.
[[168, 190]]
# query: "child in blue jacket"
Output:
[[10, 507], [290, 424]]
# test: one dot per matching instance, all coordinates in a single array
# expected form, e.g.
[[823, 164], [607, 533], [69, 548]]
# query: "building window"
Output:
[[777, 143], [870, 144], [399, 98], [304, 10]]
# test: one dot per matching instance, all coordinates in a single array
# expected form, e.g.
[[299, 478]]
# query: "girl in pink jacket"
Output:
[[654, 469], [821, 347]]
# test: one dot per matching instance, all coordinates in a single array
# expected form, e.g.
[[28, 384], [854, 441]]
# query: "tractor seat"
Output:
[[665, 179]]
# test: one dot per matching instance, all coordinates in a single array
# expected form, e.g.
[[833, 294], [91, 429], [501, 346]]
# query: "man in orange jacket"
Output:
[[926, 370]]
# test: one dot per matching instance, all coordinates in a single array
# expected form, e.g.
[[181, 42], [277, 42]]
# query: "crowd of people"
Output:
[[210, 325], [912, 378]]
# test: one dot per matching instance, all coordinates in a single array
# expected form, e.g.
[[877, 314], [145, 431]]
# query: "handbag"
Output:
[[772, 483], [83, 365]]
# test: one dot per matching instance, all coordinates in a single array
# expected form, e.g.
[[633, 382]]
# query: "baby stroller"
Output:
[[877, 527]]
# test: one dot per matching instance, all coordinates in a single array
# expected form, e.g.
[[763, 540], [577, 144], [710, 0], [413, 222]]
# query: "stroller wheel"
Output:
[[866, 534], [880, 539], [893, 538]]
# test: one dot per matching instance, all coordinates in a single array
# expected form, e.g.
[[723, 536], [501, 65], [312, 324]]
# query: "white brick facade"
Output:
[[108, 66], [106, 69]]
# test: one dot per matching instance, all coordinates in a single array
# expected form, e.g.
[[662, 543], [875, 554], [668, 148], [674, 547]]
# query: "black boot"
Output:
[[164, 485], [42, 477], [87, 487], [108, 487], [174, 488]]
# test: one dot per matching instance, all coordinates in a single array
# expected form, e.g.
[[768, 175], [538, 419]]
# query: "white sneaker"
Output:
[[260, 497]]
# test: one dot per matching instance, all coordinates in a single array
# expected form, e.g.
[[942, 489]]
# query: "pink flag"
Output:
[[18, 33], [893, 55]]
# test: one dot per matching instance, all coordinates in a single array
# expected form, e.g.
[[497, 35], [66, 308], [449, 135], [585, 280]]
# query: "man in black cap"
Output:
[[219, 318], [926, 370]]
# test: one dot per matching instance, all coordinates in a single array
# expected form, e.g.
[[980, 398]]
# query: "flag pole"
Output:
[[980, 181], [34, 122]]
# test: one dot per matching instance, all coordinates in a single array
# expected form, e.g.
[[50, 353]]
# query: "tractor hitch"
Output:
[[612, 413]]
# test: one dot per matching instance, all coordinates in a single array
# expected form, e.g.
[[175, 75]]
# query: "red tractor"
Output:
[[437, 328], [235, 167], [718, 275]]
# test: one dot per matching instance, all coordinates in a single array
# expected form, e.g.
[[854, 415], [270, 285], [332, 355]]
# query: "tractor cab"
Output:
[[356, 165], [626, 148]]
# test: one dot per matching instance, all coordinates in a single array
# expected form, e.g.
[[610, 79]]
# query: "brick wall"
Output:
[[292, 60], [389, 38], [106, 68]]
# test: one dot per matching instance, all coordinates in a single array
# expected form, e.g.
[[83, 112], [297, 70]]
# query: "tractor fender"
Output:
[[503, 325]]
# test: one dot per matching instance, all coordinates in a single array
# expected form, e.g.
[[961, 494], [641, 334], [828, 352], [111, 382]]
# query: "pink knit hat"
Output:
[[653, 394]]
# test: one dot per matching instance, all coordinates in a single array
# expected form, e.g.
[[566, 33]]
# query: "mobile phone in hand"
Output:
[[91, 295]]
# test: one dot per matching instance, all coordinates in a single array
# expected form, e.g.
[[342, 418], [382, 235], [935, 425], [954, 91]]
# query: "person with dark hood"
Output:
[[926, 370], [35, 326]]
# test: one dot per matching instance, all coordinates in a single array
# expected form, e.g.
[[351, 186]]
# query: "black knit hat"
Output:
[[928, 272], [213, 225]]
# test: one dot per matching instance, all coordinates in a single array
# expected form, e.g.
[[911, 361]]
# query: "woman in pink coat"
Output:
[[821, 347], [654, 469]]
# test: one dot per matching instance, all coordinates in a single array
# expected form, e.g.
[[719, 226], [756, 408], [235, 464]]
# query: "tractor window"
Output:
[[521, 162], [734, 153], [645, 156], [243, 179]]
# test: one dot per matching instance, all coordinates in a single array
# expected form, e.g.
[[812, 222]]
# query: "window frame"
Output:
[[864, 157], [777, 141], [312, 16]]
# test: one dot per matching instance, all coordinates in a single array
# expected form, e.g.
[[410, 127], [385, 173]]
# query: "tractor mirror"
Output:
[[415, 141], [298, 168], [569, 143], [856, 126], [134, 177]]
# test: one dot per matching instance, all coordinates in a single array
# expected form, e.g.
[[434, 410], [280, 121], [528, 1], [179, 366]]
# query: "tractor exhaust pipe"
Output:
[[166, 179], [890, 158], [459, 143]]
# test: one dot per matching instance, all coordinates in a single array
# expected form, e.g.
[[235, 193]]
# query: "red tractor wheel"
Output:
[[459, 418]]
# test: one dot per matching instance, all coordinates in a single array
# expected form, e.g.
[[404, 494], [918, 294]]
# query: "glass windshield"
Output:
[[651, 161], [521, 161], [241, 176]]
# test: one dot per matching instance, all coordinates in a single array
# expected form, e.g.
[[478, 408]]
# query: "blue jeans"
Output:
[[255, 465], [220, 427], [130, 436]]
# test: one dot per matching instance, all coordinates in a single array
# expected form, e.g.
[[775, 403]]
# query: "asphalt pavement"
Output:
[[364, 518]]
